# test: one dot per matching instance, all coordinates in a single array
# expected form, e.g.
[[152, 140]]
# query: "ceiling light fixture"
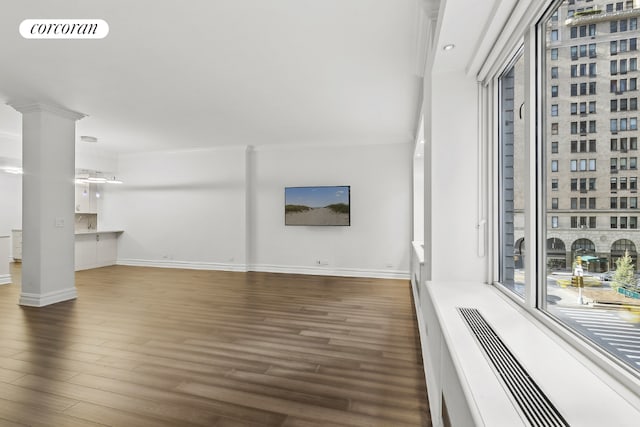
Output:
[[12, 170], [96, 179], [449, 46], [87, 138]]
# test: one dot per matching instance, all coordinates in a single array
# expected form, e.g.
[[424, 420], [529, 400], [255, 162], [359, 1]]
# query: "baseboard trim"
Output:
[[268, 268], [189, 265], [41, 300], [5, 279], [330, 271]]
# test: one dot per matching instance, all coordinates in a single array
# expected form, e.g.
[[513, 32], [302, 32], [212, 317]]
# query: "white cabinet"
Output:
[[92, 250], [95, 250], [85, 248], [16, 244], [86, 198], [106, 249]]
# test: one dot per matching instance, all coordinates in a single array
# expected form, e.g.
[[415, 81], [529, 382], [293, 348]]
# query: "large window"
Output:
[[512, 153], [579, 268], [574, 293]]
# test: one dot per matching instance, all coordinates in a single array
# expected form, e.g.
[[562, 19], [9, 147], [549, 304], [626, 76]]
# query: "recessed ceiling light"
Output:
[[12, 170], [86, 138], [448, 46]]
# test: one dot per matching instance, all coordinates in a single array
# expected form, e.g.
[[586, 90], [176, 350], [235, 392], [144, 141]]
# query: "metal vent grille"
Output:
[[533, 403]]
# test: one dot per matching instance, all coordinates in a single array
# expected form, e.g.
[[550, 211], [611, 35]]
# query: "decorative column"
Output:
[[48, 193]]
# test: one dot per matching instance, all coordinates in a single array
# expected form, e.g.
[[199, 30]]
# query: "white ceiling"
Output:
[[183, 74], [472, 27]]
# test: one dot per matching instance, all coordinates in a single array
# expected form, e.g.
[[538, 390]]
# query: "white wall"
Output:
[[10, 145], [378, 241], [180, 209], [10, 185], [454, 179], [206, 209], [10, 202], [418, 199], [5, 271], [224, 209], [89, 156]]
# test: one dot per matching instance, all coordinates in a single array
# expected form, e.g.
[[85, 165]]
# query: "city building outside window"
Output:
[[576, 51], [512, 174]]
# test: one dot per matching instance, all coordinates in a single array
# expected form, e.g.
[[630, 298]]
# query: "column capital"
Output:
[[32, 107]]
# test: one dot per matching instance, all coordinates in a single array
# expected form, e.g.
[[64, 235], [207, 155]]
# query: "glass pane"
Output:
[[512, 156], [591, 235]]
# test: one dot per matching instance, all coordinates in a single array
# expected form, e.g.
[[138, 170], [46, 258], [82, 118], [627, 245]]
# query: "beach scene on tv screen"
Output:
[[316, 206]]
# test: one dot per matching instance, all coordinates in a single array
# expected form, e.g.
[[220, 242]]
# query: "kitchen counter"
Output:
[[98, 231], [93, 248], [85, 231]]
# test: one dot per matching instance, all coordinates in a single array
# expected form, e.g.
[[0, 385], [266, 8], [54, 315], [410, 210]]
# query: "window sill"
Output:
[[583, 393]]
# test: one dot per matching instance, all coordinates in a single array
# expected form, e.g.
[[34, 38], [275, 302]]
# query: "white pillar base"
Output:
[[40, 300]]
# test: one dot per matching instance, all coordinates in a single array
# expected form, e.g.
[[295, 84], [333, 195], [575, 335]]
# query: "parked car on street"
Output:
[[607, 276]]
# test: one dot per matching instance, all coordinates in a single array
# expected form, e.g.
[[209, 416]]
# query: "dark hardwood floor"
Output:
[[160, 347]]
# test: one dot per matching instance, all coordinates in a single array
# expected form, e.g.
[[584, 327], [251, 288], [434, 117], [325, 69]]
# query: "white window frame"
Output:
[[538, 171]]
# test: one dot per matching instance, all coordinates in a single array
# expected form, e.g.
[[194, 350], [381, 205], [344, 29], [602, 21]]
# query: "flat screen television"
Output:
[[323, 205]]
